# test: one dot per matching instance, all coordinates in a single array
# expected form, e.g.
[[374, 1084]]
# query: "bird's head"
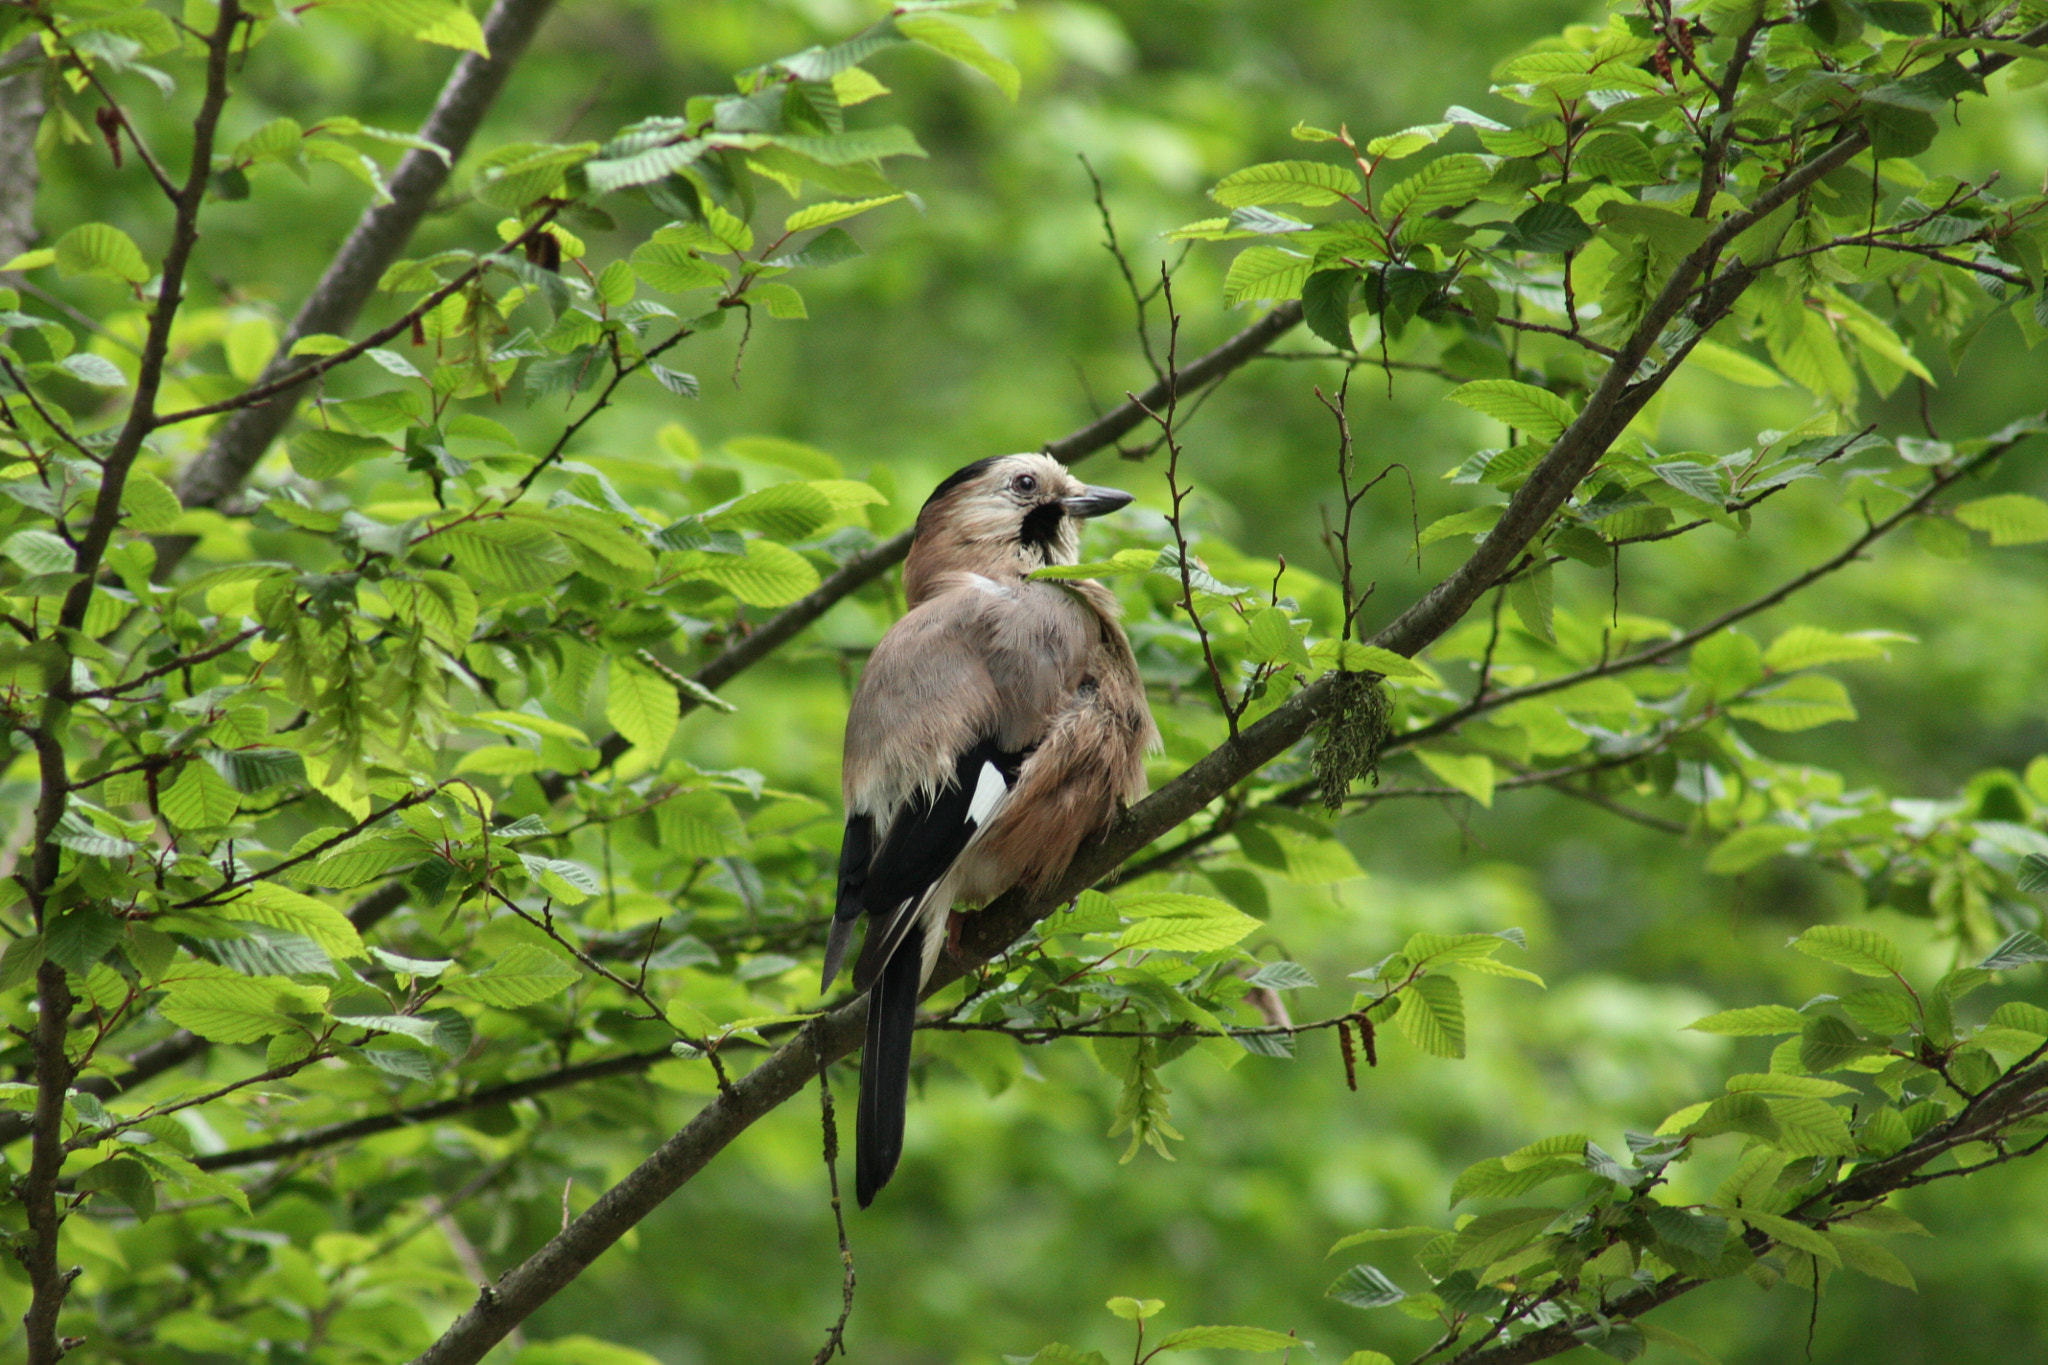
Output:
[[1001, 517]]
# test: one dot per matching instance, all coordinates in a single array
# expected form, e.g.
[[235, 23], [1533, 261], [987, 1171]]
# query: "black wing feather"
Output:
[[923, 841]]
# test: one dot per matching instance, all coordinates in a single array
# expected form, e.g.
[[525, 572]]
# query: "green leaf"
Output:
[[786, 511], [1827, 1043], [39, 552], [1471, 774], [281, 908], [1491, 1178], [1751, 847], [517, 555], [435, 21], [1497, 1233], [2017, 951], [2021, 1016], [642, 706], [1863, 951], [767, 575], [1867, 1257], [524, 974], [1364, 1286], [1182, 934], [264, 951], [1381, 1235], [1548, 228], [2008, 518], [852, 148], [1307, 183], [1228, 1339], [1521, 406], [1733, 365], [325, 454], [1533, 597], [1134, 1310], [224, 1006], [836, 211], [950, 40], [100, 249], [200, 799], [1675, 234], [1326, 305], [1443, 182], [1702, 1234], [1432, 1016], [1265, 272], [80, 937], [1811, 646], [1271, 634], [1798, 1236], [674, 269], [1407, 142]]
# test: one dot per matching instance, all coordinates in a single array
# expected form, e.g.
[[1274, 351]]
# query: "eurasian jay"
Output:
[[997, 726]]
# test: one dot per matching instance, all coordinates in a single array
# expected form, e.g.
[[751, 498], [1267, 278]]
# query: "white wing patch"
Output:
[[989, 790]]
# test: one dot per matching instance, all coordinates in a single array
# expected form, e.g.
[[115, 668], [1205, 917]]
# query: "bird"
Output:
[[999, 724]]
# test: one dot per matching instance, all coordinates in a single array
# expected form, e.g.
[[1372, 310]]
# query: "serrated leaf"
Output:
[[2008, 518], [1752, 1021], [950, 40], [1800, 702], [1256, 1339], [1364, 1286], [1521, 406], [200, 798], [1863, 951], [1441, 183], [265, 951], [1432, 1016], [281, 908], [1307, 183], [1180, 934], [835, 211], [1471, 774], [524, 974], [1798, 1236], [1265, 272], [1811, 646], [101, 249], [642, 706], [2020, 949], [767, 575]]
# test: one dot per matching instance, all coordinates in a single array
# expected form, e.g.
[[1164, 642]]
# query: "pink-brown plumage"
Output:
[[998, 725]]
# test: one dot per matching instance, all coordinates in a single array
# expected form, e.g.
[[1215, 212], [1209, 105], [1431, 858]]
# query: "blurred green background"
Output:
[[991, 319]]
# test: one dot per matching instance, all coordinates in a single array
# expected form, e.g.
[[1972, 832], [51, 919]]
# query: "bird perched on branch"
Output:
[[999, 725]]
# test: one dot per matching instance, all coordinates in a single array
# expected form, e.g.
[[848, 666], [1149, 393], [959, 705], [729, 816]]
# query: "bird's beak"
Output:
[[1094, 500]]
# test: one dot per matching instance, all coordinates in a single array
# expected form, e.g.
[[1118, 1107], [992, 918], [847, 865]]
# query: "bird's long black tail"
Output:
[[885, 1068]]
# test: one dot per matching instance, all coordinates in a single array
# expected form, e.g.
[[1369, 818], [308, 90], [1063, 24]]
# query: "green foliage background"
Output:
[[988, 318]]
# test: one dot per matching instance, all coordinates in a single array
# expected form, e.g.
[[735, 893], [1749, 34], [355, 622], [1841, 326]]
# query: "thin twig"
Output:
[[835, 1336]]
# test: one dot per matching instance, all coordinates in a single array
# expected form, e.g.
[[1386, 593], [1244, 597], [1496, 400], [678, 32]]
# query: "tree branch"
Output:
[[46, 1156]]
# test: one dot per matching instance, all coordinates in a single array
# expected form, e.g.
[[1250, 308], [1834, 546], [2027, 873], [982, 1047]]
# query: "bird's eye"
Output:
[[1025, 483]]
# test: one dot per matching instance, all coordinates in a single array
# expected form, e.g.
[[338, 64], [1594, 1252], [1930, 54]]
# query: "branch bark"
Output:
[[21, 110], [379, 235]]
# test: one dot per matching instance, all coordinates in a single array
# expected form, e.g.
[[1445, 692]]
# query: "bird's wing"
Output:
[[933, 743]]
